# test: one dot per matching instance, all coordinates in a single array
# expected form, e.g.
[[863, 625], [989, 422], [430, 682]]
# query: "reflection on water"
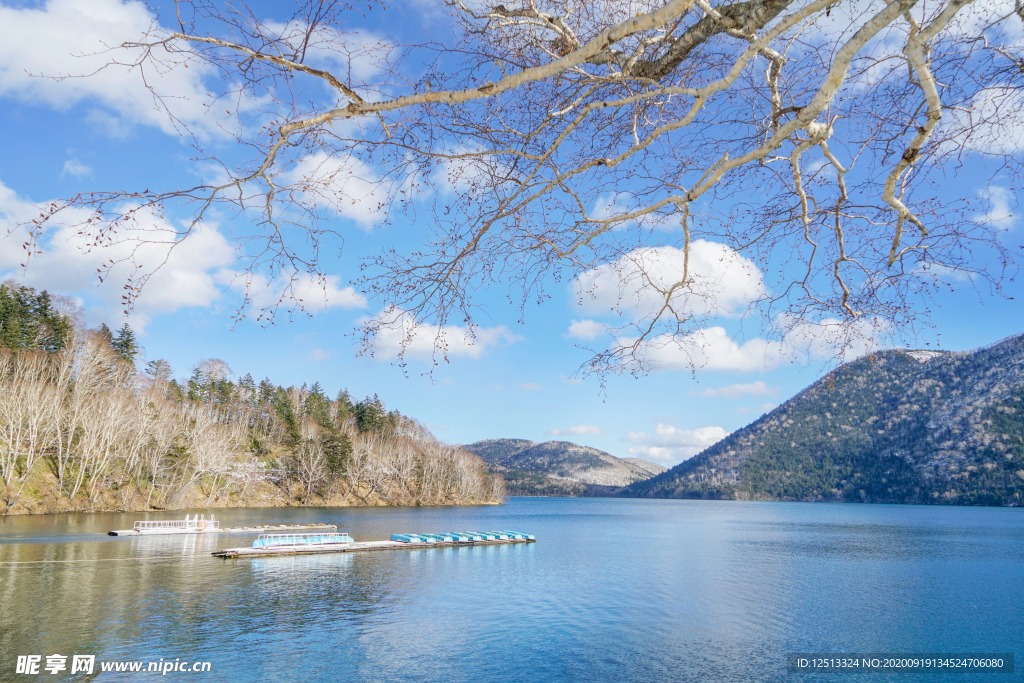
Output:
[[612, 590]]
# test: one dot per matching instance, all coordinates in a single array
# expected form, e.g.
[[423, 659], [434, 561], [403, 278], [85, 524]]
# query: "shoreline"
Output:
[[42, 500]]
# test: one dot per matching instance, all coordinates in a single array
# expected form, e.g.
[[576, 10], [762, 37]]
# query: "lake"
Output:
[[613, 590]]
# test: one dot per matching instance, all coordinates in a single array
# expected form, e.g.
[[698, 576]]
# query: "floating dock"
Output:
[[306, 544], [201, 525]]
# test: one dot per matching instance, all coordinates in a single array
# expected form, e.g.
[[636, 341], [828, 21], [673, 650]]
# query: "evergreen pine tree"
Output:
[[337, 448], [106, 334], [124, 344], [247, 390], [174, 391], [159, 370], [318, 407], [52, 328], [370, 415], [344, 402], [223, 391], [284, 410], [345, 399], [28, 320], [267, 390], [197, 390]]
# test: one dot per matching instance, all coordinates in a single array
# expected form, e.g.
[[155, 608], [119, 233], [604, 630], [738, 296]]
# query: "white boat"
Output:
[[195, 525]]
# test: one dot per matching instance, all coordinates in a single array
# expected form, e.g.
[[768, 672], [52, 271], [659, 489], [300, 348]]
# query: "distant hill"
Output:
[[892, 427], [651, 467], [558, 468], [493, 451]]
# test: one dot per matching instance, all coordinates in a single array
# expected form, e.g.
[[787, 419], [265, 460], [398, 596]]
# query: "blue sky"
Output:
[[516, 380]]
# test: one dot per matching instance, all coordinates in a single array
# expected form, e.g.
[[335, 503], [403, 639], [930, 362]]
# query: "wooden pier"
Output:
[[356, 547], [281, 527]]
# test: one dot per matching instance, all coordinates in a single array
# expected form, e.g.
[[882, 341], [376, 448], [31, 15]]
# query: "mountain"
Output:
[[892, 427], [558, 468], [493, 451], [651, 467]]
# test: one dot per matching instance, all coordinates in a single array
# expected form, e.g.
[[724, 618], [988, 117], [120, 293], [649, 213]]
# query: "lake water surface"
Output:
[[613, 590]]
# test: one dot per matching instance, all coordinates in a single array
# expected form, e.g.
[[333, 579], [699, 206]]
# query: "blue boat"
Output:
[[269, 540], [420, 538], [413, 538], [462, 537]]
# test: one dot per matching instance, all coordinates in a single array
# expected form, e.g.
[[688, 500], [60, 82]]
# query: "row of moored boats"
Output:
[[463, 537]]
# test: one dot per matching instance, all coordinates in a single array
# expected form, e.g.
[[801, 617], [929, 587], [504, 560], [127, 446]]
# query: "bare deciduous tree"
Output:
[[28, 413], [104, 432], [555, 137]]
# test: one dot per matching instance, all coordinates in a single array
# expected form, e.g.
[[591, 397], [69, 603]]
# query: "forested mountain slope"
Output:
[[85, 425], [892, 427], [558, 468]]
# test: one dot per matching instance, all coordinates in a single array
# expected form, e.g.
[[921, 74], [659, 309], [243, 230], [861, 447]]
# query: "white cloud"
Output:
[[531, 386], [1000, 213], [734, 391], [312, 293], [713, 349], [976, 18], [466, 173], [351, 188], [576, 430], [13, 211], [586, 329], [608, 205], [943, 273], [398, 330], [831, 338], [72, 38], [194, 274], [316, 294], [76, 168], [722, 282], [670, 444], [992, 124], [360, 56], [187, 275], [319, 354], [816, 165], [708, 349]]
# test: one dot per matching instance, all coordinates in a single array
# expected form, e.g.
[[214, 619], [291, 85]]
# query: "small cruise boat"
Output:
[[194, 525], [301, 540]]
